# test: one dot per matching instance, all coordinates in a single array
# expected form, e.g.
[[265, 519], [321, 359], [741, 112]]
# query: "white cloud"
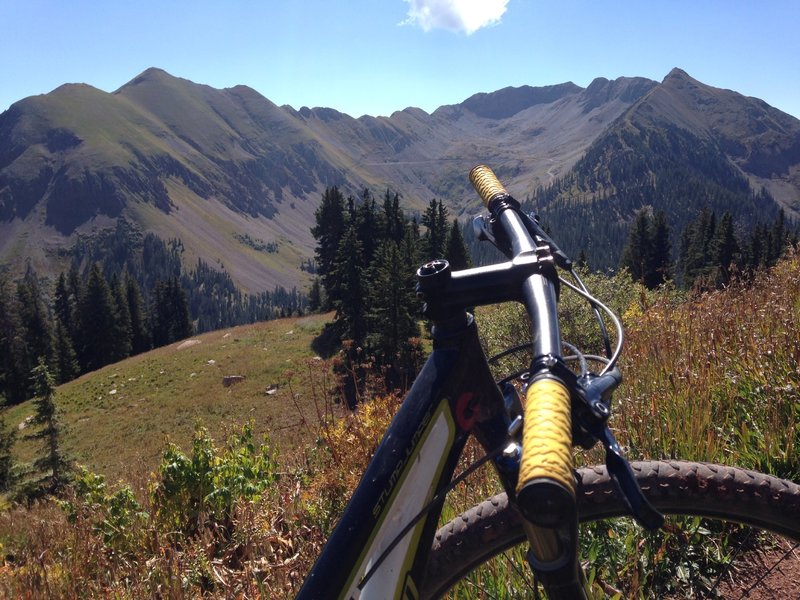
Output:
[[455, 15]]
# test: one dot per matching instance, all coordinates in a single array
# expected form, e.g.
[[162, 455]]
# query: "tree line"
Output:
[[627, 169], [366, 259], [711, 250], [97, 313]]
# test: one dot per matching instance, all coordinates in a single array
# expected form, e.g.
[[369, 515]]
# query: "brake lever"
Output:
[[622, 475], [595, 392]]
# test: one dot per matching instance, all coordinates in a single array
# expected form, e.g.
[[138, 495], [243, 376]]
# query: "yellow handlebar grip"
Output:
[[546, 487], [486, 184]]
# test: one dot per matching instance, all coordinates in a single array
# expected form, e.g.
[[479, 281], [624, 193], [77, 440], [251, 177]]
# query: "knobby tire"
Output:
[[673, 487]]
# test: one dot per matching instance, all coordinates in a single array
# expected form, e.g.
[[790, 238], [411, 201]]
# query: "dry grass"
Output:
[[712, 378], [717, 378]]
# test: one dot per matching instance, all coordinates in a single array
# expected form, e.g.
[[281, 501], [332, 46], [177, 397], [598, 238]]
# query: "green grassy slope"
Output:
[[118, 419]]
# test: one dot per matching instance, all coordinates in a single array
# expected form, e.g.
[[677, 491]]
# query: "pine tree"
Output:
[[182, 327], [660, 267], [97, 343], [349, 272], [7, 437], [368, 226], [140, 335], [14, 383], [638, 253], [328, 231], [394, 222], [52, 462], [65, 361], [75, 290], [724, 249], [456, 251], [392, 307], [122, 326], [170, 313], [63, 305], [435, 219], [315, 295], [695, 255], [35, 321], [778, 238]]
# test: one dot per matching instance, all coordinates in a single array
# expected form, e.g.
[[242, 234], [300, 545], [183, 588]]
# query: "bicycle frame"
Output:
[[380, 546], [454, 395]]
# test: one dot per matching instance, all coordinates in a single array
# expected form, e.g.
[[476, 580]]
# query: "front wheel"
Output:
[[715, 546]]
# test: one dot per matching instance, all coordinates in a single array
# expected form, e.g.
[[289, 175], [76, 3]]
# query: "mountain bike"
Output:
[[389, 543]]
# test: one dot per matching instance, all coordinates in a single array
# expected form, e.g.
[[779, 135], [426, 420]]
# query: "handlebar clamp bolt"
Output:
[[432, 276]]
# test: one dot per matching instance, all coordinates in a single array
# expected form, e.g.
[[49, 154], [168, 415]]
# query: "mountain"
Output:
[[680, 147], [237, 178]]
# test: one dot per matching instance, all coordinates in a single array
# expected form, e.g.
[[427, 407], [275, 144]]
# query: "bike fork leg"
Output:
[[553, 556]]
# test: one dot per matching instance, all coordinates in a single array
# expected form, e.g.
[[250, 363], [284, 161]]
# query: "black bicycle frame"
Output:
[[454, 395]]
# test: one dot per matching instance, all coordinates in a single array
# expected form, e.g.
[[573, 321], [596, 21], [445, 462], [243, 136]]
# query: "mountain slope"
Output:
[[216, 167], [682, 146], [763, 142]]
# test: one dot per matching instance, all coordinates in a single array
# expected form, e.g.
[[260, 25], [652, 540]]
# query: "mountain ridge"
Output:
[[187, 160]]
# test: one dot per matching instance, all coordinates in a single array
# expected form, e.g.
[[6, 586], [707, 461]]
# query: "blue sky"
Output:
[[378, 56]]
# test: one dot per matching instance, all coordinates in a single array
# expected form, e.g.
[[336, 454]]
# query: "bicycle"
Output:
[[388, 543]]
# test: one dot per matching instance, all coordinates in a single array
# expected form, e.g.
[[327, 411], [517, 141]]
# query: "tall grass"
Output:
[[717, 377], [708, 377]]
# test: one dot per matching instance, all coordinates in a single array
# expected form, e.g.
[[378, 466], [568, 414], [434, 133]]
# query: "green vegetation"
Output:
[[116, 420], [141, 297], [633, 166], [366, 259], [708, 377]]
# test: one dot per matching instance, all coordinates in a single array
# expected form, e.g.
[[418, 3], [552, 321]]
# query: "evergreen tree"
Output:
[[65, 361], [393, 220], [63, 305], [724, 249], [778, 238], [170, 313], [315, 295], [140, 336], [74, 296], [328, 231], [99, 329], [638, 253], [122, 326], [14, 383], [647, 253], [183, 327], [456, 251], [368, 226], [7, 437], [695, 254], [392, 308], [660, 266], [52, 462], [435, 219], [349, 272], [35, 321]]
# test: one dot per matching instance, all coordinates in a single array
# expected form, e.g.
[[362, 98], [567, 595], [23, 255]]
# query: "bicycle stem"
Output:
[[546, 486]]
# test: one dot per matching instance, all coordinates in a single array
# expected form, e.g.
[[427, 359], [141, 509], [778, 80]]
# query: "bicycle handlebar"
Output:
[[487, 185], [546, 487]]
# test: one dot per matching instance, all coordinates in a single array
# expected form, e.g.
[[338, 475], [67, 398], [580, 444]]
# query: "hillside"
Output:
[[724, 389], [118, 419], [680, 147], [213, 167]]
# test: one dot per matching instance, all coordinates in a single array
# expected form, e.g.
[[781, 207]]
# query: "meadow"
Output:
[[193, 489]]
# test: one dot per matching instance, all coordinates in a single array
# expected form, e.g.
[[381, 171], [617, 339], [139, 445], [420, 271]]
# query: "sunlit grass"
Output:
[[711, 377]]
